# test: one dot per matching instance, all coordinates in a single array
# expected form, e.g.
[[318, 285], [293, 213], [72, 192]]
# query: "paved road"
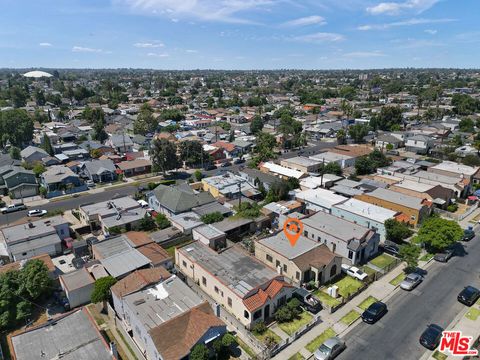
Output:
[[434, 301]]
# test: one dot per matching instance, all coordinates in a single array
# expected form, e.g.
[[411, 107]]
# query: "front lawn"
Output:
[[292, 326], [268, 333], [348, 285], [382, 261], [245, 347], [473, 314], [368, 270], [313, 345], [296, 356], [426, 257], [326, 299], [367, 302], [398, 279], [350, 317]]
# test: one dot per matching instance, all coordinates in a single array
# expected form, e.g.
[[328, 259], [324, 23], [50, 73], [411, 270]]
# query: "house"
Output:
[[18, 182], [229, 149], [120, 213], [453, 169], [384, 141], [439, 195], [172, 200], [328, 157], [33, 154], [78, 287], [245, 287], [319, 200], [135, 167], [210, 236], [256, 177], [281, 171], [34, 238], [307, 261], [74, 335], [354, 242], [365, 214], [186, 222], [120, 143], [228, 186], [100, 170], [326, 181], [466, 150], [59, 180], [94, 146], [414, 208], [302, 164], [419, 144]]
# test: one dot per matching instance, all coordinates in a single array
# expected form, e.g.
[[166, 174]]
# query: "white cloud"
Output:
[[364, 54], [431, 31], [207, 10], [191, 51], [320, 37], [411, 43], [158, 55], [45, 44], [395, 8], [87, 49], [308, 20], [153, 44], [410, 22]]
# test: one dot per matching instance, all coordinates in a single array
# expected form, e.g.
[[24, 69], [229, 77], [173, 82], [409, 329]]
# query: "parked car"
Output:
[[239, 161], [374, 312], [36, 212], [445, 255], [13, 208], [226, 164], [430, 338], [411, 281], [354, 272], [391, 249], [210, 167], [142, 203], [469, 295], [309, 302], [90, 183], [468, 234], [330, 349]]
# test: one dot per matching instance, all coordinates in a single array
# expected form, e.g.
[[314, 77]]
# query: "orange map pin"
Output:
[[292, 228]]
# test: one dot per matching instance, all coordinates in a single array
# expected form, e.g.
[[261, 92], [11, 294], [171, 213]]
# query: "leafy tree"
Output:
[[389, 119], [467, 125], [146, 223], [145, 122], [162, 221], [164, 155], [471, 160], [410, 253], [47, 145], [369, 164], [289, 311], [40, 116], [199, 352], [192, 153], [40, 97], [38, 169], [278, 191], [397, 231], [34, 280], [465, 104], [198, 175], [265, 144], [438, 233], [99, 132], [24, 310], [171, 114], [95, 153], [228, 340], [348, 92], [16, 127], [357, 132], [341, 137], [248, 210], [256, 125], [18, 96], [101, 289], [224, 125], [15, 153], [291, 130], [212, 217], [332, 168]]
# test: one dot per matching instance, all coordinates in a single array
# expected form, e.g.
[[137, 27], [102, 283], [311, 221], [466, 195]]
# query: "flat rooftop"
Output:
[[302, 161], [324, 198], [103, 208], [332, 225], [366, 210], [237, 270], [280, 244], [162, 302], [454, 167], [32, 229], [397, 198], [209, 231]]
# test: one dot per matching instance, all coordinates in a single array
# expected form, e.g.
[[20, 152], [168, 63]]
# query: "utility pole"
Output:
[[323, 171]]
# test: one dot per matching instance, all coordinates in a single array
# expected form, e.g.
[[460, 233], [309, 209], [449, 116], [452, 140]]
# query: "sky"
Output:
[[239, 34]]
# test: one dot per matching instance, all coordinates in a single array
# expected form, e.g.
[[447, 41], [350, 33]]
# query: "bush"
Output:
[[259, 328], [162, 221], [212, 217], [452, 208], [397, 231], [289, 311]]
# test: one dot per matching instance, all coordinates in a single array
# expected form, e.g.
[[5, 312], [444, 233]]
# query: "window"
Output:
[[285, 268], [350, 254], [24, 254], [277, 263], [334, 247], [297, 275], [216, 289], [305, 233], [257, 314], [204, 281], [229, 302], [246, 315], [269, 258], [333, 271], [319, 239], [184, 263]]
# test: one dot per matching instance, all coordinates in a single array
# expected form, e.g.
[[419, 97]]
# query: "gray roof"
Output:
[[37, 228], [211, 208], [125, 262], [57, 173], [119, 140], [165, 234], [209, 231], [162, 302], [74, 336], [280, 244], [100, 166], [112, 246], [77, 279], [6, 159], [346, 190], [398, 198], [29, 150], [263, 177], [231, 223], [237, 270], [389, 138], [36, 243], [181, 198], [332, 225]]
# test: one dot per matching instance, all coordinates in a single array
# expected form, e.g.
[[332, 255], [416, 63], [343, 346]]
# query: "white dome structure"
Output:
[[37, 74]]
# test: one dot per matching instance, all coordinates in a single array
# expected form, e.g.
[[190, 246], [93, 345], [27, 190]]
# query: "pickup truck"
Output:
[[13, 208]]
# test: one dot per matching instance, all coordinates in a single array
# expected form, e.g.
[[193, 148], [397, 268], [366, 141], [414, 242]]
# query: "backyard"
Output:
[[292, 326], [320, 339]]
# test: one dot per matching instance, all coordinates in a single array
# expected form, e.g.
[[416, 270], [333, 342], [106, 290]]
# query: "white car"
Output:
[[355, 272], [36, 212]]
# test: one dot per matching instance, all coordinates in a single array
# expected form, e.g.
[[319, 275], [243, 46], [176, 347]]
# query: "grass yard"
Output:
[[320, 339], [350, 317], [426, 257], [473, 314], [368, 270], [398, 279], [296, 356], [348, 285], [326, 299], [245, 347], [268, 333], [382, 261], [367, 302], [439, 356], [292, 326]]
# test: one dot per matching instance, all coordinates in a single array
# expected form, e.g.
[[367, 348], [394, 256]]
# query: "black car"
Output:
[[391, 249], [239, 161], [226, 164], [210, 167], [469, 295], [445, 255], [374, 312], [468, 235], [431, 336]]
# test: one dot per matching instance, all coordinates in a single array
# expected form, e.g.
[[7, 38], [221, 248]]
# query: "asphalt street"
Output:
[[396, 335]]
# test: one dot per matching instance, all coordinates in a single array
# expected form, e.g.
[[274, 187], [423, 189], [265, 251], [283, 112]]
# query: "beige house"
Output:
[[307, 261], [246, 288]]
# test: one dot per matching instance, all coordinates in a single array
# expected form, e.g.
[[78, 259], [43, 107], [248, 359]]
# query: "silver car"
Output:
[[330, 349], [411, 281]]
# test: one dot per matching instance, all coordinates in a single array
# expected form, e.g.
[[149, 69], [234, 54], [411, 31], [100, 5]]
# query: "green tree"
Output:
[[16, 127], [47, 145], [410, 253], [15, 153], [256, 125], [99, 132], [332, 168], [212, 217], [192, 153], [101, 289], [145, 122], [471, 160], [34, 279], [358, 131], [164, 155], [162, 221], [438, 233], [18, 96], [467, 125], [265, 143], [38, 169], [146, 223], [24, 310], [397, 231], [171, 114], [389, 119], [199, 352], [341, 137], [40, 97], [291, 130], [198, 175]]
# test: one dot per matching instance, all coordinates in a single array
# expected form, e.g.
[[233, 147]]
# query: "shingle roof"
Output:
[[260, 297], [99, 166], [181, 198], [138, 280]]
